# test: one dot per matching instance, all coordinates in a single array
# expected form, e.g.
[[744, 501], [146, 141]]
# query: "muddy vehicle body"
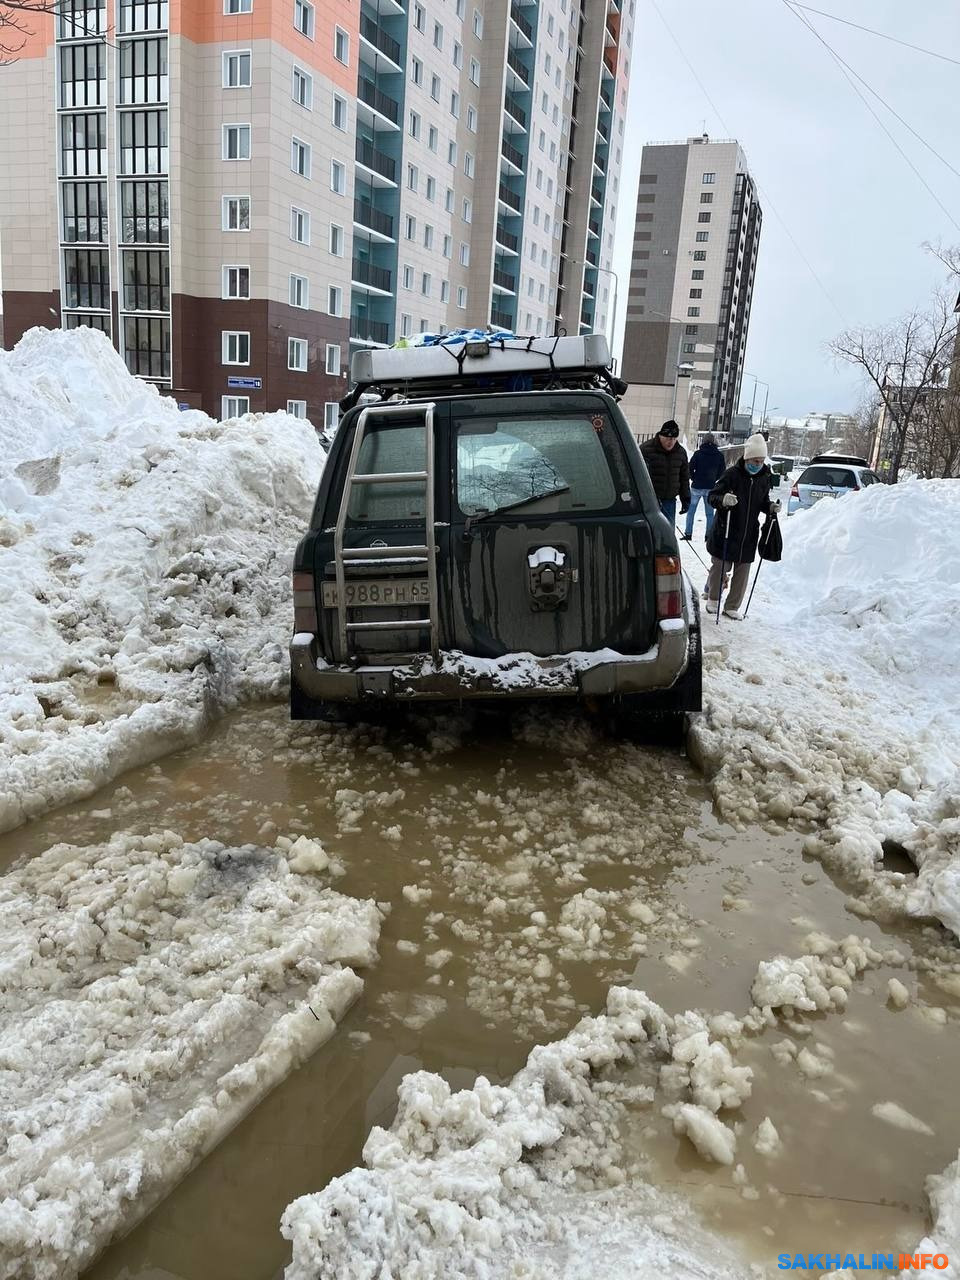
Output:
[[474, 542]]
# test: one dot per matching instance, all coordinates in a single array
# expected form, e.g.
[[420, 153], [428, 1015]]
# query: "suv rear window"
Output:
[[390, 449], [835, 477], [549, 464]]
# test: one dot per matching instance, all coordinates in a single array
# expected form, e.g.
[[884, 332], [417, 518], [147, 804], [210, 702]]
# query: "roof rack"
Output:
[[483, 361]]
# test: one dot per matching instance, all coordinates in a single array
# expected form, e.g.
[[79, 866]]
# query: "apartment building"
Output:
[[691, 281], [240, 192]]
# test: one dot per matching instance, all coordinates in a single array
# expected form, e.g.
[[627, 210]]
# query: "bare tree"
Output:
[[934, 445], [860, 432], [902, 361], [18, 21]]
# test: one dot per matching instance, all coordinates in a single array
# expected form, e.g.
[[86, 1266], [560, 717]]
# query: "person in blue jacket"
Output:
[[706, 468]]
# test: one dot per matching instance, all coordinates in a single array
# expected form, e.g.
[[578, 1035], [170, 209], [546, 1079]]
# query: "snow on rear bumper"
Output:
[[602, 673]]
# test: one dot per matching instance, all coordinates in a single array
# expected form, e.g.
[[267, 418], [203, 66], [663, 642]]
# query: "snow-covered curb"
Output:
[[836, 703], [144, 566], [151, 993]]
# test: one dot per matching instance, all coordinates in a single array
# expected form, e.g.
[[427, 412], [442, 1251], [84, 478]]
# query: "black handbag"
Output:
[[771, 540]]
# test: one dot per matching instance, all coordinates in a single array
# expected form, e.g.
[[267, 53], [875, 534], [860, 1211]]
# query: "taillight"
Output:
[[794, 492], [856, 488], [669, 592], [305, 604]]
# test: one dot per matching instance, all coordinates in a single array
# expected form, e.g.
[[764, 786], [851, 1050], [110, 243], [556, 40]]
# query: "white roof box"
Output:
[[479, 357]]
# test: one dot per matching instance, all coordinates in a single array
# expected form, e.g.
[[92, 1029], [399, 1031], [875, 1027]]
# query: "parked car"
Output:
[[829, 475], [472, 542]]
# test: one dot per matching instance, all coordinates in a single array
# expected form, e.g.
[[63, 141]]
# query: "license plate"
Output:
[[372, 592], [815, 497]]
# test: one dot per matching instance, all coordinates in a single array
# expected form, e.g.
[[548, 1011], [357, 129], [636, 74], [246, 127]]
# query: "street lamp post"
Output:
[[683, 371], [579, 262]]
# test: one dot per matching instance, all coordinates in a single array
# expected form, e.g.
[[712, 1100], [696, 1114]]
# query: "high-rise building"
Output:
[[239, 192], [691, 279]]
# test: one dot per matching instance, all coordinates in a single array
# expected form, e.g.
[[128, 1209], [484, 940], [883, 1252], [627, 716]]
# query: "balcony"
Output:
[[378, 101], [515, 115], [377, 163], [596, 193], [501, 318], [591, 257], [504, 281], [512, 155], [379, 224], [378, 278], [363, 330], [379, 40], [603, 131], [594, 228], [510, 198], [606, 100], [525, 27], [507, 239], [519, 71]]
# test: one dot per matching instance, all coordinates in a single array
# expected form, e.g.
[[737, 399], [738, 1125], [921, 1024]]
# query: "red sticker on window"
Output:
[[598, 423]]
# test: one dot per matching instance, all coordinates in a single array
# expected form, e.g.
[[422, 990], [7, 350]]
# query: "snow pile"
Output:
[[144, 566], [495, 1180], [151, 992], [837, 702]]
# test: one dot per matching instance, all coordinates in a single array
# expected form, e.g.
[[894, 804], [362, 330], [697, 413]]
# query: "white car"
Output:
[[829, 476]]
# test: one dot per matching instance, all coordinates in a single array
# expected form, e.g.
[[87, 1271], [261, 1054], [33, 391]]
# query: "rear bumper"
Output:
[[457, 676]]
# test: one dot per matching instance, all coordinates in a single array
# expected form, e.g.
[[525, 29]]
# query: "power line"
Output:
[[882, 34], [848, 74], [768, 202]]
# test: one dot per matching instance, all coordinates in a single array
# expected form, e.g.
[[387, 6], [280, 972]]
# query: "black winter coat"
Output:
[[742, 532], [706, 467], [668, 470]]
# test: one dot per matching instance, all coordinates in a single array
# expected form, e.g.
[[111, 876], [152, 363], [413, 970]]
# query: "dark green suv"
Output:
[[469, 542]]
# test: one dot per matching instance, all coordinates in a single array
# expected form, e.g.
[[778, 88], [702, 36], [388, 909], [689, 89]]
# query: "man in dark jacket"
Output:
[[740, 497], [706, 468], [667, 463]]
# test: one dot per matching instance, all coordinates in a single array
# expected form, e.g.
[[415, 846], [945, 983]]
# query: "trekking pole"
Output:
[[763, 542], [723, 563], [689, 542]]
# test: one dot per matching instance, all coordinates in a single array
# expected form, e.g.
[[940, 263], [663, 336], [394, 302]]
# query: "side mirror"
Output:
[[775, 480]]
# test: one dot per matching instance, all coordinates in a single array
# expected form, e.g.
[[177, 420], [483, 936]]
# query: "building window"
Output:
[[692, 328], [299, 291], [406, 325], [416, 71], [338, 177], [331, 415], [428, 236], [433, 138], [413, 177], [297, 354], [85, 320], [234, 407], [297, 408], [693, 311], [236, 213], [449, 199], [86, 275], [235, 282], [237, 6], [146, 346], [339, 112], [474, 71], [300, 157], [699, 255], [437, 36], [431, 191], [704, 217], [336, 240], [706, 197], [426, 284], [135, 15], [143, 71], [478, 24], [335, 300], [303, 17], [702, 236], [419, 17], [300, 226], [457, 54], [414, 124], [696, 275], [464, 254], [468, 165], [435, 87], [83, 145], [689, 348], [447, 246], [467, 213], [84, 212], [472, 119], [143, 142], [341, 46], [444, 290], [234, 347], [236, 141], [461, 297], [83, 75], [144, 213], [410, 227], [407, 276], [455, 105], [303, 88], [332, 359], [452, 153], [709, 177], [236, 69], [696, 293]]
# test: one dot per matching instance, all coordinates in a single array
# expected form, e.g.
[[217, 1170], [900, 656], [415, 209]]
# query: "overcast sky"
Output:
[[841, 190]]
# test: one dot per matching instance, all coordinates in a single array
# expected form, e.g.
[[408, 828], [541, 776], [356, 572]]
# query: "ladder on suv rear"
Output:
[[345, 557]]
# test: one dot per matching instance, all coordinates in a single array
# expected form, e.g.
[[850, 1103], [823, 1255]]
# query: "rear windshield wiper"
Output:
[[511, 506]]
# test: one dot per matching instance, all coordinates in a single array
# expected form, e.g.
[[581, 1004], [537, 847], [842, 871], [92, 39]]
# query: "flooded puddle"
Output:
[[530, 862]]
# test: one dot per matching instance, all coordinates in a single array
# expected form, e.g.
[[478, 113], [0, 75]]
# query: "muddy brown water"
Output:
[[496, 828]]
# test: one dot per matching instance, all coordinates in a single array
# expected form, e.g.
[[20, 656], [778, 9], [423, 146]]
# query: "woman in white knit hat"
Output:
[[740, 497]]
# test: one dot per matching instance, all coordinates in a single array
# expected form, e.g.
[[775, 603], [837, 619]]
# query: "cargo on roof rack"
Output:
[[486, 363]]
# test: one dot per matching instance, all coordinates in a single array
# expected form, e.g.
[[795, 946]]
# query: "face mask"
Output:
[[754, 467]]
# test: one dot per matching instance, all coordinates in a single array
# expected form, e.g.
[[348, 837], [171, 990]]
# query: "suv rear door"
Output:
[[825, 482], [535, 472]]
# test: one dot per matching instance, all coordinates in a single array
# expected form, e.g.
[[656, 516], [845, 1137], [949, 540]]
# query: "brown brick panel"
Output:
[[23, 311]]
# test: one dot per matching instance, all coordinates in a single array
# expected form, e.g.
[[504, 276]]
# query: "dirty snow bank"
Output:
[[151, 992], [144, 566], [512, 1180], [837, 701]]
